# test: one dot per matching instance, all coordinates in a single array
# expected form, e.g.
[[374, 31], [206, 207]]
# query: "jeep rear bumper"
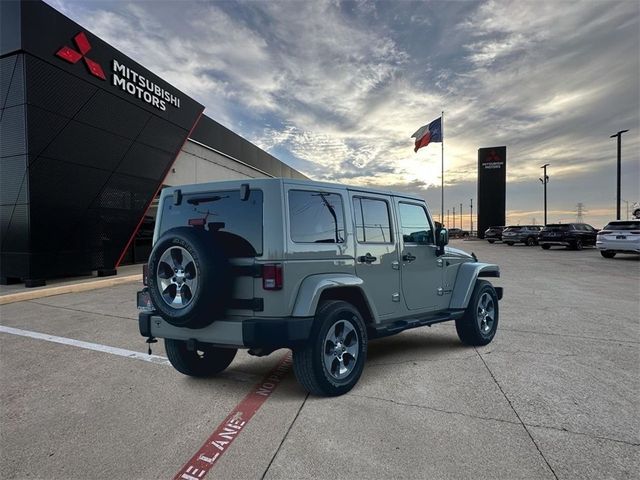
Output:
[[280, 332]]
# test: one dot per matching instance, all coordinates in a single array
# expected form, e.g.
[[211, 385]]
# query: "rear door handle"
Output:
[[407, 257], [368, 258]]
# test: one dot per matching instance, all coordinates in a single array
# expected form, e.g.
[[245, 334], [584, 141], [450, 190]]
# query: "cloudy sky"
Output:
[[335, 89]]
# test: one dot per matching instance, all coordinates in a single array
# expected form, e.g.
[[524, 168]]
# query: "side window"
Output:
[[373, 223], [316, 217], [414, 224]]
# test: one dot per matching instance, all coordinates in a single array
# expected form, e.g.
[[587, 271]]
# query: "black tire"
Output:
[[309, 360], [530, 242], [491, 241], [509, 243], [607, 253], [577, 245], [209, 267], [545, 246], [470, 328], [205, 361]]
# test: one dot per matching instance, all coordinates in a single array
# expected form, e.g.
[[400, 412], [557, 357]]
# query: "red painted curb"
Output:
[[224, 435]]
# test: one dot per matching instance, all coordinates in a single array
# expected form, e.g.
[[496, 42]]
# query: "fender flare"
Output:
[[312, 287], [468, 273]]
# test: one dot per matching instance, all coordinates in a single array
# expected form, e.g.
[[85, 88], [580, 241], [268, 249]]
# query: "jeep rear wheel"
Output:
[[189, 278], [531, 242], [607, 253], [204, 360], [479, 323], [332, 361]]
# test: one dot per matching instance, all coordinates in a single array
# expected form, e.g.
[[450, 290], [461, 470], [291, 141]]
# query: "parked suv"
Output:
[[493, 234], [572, 235], [619, 236], [315, 267], [527, 234]]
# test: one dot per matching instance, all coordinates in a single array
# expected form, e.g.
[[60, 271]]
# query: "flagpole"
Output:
[[442, 174]]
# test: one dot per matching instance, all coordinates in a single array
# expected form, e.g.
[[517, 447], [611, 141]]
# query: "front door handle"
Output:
[[368, 258], [407, 257]]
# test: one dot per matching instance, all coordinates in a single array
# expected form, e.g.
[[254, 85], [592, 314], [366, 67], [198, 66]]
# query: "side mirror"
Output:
[[442, 239]]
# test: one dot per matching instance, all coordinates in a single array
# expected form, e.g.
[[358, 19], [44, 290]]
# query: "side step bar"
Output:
[[384, 330]]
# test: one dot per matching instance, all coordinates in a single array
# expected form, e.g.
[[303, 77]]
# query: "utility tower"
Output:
[[580, 211]]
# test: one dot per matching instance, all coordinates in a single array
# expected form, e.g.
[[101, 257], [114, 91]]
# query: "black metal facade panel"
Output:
[[10, 38], [492, 176], [45, 31], [11, 81], [214, 135], [81, 157]]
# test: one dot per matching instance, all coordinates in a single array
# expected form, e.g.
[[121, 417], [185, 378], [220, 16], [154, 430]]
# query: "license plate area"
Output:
[[621, 237], [143, 301]]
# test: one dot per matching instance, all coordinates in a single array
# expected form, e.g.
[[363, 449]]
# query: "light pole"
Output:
[[471, 214], [619, 135], [460, 215], [454, 217], [447, 218], [545, 180]]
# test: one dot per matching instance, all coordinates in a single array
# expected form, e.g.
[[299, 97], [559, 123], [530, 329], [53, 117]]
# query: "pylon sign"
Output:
[[492, 181]]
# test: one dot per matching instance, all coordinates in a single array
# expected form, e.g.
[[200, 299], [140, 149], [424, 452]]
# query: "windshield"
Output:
[[630, 225]]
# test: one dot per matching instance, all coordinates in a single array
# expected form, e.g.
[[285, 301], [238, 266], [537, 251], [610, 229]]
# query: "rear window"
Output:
[[630, 225], [559, 228], [235, 224], [316, 217]]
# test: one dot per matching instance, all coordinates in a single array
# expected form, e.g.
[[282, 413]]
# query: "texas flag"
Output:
[[427, 134]]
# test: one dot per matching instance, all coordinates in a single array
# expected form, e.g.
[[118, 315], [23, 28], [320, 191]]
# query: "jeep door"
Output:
[[421, 271], [376, 251]]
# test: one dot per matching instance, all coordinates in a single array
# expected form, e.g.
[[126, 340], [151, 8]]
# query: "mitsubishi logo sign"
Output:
[[123, 77], [73, 56]]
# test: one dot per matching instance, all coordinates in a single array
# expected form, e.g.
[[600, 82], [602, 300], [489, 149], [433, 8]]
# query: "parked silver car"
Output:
[[315, 267]]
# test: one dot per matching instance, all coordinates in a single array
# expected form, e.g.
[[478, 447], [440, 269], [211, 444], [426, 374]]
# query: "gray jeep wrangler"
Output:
[[314, 267]]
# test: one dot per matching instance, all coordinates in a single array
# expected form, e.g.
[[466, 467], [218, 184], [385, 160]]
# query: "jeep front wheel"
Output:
[[478, 325], [203, 360], [332, 361]]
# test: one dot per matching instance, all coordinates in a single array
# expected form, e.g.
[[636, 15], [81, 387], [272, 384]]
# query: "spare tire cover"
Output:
[[190, 281]]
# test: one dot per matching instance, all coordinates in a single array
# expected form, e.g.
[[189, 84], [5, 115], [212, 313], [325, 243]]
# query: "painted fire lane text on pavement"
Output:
[[218, 443]]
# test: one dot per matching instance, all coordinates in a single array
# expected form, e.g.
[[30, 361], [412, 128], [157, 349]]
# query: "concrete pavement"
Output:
[[555, 395]]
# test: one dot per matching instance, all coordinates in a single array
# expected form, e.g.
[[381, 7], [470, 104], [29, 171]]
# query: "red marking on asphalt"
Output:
[[223, 436]]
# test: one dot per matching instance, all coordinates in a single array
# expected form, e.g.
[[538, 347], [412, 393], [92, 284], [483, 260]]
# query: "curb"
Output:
[[71, 288]]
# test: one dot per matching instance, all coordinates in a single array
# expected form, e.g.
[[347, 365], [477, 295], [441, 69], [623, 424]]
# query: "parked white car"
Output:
[[619, 236]]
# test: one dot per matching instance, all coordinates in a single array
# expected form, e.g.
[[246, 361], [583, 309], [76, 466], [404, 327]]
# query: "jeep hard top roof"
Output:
[[257, 182]]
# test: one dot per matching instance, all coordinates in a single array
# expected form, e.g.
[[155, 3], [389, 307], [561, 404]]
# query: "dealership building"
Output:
[[88, 137]]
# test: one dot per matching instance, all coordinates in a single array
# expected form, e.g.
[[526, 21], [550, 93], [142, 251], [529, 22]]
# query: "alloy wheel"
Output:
[[341, 345], [485, 313], [177, 277]]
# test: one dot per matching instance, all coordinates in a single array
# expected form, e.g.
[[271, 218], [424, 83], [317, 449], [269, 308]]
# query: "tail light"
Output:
[[604, 232], [145, 275], [272, 276], [635, 232], [197, 222]]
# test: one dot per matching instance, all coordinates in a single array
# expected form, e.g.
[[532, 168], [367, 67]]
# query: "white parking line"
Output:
[[121, 352], [86, 345]]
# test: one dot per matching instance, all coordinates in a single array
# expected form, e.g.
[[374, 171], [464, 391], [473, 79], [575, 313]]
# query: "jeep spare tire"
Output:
[[190, 281]]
